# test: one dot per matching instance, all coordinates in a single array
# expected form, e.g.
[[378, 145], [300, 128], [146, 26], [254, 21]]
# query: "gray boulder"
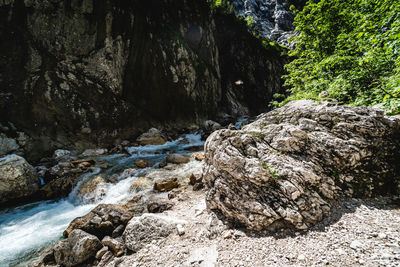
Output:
[[7, 145], [142, 230], [78, 248], [17, 178], [286, 169]]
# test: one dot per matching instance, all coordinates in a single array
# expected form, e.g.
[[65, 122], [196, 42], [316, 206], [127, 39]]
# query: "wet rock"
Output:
[[165, 184], [94, 152], [152, 137], [286, 169], [177, 159], [142, 230], [199, 156], [92, 190], [162, 164], [18, 179], [140, 184], [159, 205], [140, 163], [62, 154], [101, 221], [76, 249], [116, 247], [7, 145]]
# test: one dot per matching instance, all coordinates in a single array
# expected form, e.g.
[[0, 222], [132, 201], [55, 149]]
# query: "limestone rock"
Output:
[[286, 169], [151, 137], [165, 184], [77, 248], [18, 178], [101, 221], [146, 228], [177, 159]]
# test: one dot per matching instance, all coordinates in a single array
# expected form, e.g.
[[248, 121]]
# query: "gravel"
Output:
[[356, 233]]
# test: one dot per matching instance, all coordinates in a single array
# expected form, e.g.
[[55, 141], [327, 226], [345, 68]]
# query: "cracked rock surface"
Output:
[[286, 169]]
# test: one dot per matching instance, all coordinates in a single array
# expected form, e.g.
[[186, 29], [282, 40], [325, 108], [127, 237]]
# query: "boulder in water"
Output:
[[18, 179], [286, 169], [152, 137], [140, 163], [76, 249], [94, 152], [177, 159]]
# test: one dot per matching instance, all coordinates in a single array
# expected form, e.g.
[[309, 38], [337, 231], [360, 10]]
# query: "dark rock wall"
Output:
[[81, 73]]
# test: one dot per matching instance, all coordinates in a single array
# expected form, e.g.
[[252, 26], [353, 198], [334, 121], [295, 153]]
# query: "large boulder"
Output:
[[142, 230], [76, 249], [17, 178], [286, 169]]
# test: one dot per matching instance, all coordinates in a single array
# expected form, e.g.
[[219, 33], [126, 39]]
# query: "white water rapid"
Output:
[[27, 228]]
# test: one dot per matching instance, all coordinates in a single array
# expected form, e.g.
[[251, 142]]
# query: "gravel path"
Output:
[[357, 233]]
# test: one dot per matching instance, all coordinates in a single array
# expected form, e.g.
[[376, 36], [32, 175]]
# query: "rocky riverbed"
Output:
[[167, 203]]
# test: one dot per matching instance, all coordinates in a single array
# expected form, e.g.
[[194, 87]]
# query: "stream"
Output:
[[26, 229]]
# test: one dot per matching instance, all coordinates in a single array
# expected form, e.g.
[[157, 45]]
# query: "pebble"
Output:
[[356, 245], [181, 229]]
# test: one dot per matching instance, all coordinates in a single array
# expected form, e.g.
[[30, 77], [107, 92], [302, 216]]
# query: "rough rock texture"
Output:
[[101, 221], [152, 137], [272, 18], [77, 248], [18, 179], [93, 72], [142, 230], [286, 169]]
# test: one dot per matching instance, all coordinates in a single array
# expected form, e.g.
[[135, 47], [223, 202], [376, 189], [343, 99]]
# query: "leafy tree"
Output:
[[348, 48]]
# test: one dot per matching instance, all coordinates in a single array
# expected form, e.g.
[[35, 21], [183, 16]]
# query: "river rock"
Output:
[[140, 163], [140, 184], [18, 178], [101, 221], [76, 249], [199, 156], [7, 145], [177, 159], [92, 190], [94, 152], [152, 137], [166, 184], [62, 154], [286, 169], [146, 228]]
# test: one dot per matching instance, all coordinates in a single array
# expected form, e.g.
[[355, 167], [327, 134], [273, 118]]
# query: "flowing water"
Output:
[[27, 228]]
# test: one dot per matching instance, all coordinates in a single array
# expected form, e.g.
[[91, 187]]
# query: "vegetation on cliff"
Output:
[[350, 50]]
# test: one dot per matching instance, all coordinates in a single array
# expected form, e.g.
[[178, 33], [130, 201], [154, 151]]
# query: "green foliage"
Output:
[[348, 48], [274, 175]]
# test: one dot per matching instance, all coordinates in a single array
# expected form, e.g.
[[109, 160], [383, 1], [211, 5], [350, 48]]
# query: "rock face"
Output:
[[92, 72], [272, 18], [79, 247], [286, 169], [18, 179]]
